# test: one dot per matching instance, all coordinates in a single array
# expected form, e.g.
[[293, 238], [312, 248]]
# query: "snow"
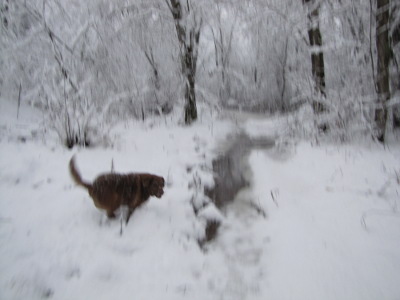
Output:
[[56, 244], [334, 223], [331, 228], [320, 248]]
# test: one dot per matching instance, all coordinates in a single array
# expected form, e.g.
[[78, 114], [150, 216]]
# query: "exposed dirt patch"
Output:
[[231, 172]]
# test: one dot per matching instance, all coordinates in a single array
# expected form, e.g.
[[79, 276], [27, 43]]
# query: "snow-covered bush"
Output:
[[342, 119], [77, 122]]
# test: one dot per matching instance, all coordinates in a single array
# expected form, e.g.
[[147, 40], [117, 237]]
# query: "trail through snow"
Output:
[[315, 223], [238, 241], [243, 251]]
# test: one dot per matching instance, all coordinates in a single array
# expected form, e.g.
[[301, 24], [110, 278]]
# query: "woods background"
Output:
[[330, 65]]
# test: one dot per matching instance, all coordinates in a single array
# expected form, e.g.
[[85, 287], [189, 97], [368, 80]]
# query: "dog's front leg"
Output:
[[128, 216], [110, 214], [133, 208]]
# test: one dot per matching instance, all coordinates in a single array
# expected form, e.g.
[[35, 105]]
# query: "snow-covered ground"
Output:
[[55, 244], [333, 219], [333, 222], [331, 228]]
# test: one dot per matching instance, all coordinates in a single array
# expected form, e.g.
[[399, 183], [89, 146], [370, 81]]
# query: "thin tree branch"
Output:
[[370, 46]]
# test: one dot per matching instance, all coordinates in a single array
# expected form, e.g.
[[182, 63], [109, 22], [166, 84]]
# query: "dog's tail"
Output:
[[76, 176]]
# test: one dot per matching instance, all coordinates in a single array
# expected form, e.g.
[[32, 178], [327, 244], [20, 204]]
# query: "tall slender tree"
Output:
[[317, 56], [187, 25], [383, 53]]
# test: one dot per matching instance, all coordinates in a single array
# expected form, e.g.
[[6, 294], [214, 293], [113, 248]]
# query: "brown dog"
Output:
[[110, 191]]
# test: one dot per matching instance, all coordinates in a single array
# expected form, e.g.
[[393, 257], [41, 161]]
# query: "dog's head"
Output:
[[153, 184]]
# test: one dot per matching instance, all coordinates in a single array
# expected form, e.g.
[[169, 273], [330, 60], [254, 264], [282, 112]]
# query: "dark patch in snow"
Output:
[[211, 232], [73, 273], [231, 168], [231, 174], [48, 293]]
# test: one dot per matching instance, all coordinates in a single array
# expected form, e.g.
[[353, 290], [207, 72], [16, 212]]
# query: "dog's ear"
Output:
[[162, 181], [153, 185], [158, 186], [146, 181]]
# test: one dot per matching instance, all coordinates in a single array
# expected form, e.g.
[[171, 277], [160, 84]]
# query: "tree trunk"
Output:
[[189, 41], [190, 93], [317, 56], [383, 53]]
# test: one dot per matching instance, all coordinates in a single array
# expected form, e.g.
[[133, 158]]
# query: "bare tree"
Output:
[[383, 53], [395, 45], [222, 33], [187, 24], [317, 56]]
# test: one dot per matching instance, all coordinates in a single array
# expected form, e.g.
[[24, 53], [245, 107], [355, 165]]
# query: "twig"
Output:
[[370, 45], [19, 99], [378, 212], [397, 177], [258, 209], [121, 231], [273, 195]]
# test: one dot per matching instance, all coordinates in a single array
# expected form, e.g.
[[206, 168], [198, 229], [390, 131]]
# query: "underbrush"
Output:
[[341, 120]]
